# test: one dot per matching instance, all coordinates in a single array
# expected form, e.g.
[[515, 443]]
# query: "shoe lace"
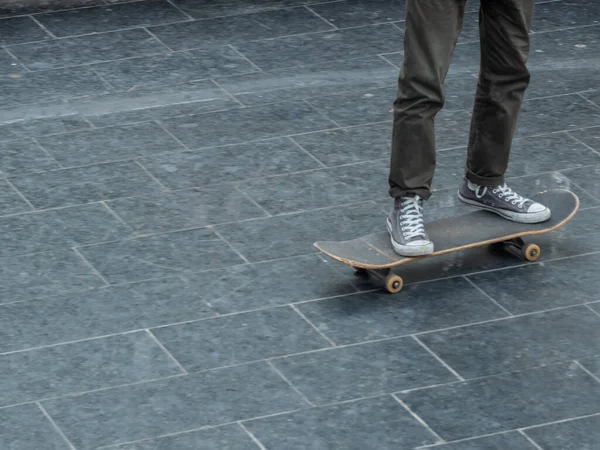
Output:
[[411, 217], [510, 195]]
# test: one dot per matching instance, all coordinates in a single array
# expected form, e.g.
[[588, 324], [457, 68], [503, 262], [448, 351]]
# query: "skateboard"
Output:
[[374, 255]]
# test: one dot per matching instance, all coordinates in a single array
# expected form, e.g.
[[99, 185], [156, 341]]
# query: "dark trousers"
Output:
[[431, 31]]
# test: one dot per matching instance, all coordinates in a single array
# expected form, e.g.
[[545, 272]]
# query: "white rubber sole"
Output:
[[537, 217], [408, 250]]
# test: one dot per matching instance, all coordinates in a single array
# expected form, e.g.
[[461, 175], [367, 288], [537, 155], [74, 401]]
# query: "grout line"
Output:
[[313, 325], [42, 27], [114, 214], [587, 99], [229, 94], [164, 349], [20, 194], [55, 426], [389, 62], [166, 130], [440, 360], [582, 367], [321, 163], [170, 2], [419, 419], [45, 151], [254, 438], [472, 283], [276, 370], [592, 309], [111, 89], [169, 49], [254, 202], [556, 422], [96, 271], [321, 17], [156, 180], [231, 46], [535, 444], [434, 446], [220, 236], [321, 113], [568, 133]]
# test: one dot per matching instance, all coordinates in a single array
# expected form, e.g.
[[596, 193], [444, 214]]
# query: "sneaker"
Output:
[[405, 225], [503, 201]]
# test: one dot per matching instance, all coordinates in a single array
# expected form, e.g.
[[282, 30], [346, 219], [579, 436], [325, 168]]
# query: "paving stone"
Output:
[[24, 156], [579, 434], [512, 440], [519, 343], [428, 306], [240, 28], [239, 338], [107, 18], [82, 366], [240, 162], [589, 136], [62, 317], [504, 402], [352, 425], [565, 14], [10, 201], [110, 144], [362, 370], [86, 49], [16, 30], [27, 427], [155, 409], [85, 184], [557, 47], [161, 255], [593, 363]]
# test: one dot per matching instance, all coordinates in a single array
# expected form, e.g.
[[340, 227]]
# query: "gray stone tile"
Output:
[[38, 232], [14, 8], [512, 440], [110, 144], [240, 28], [519, 343], [349, 145], [170, 406], [24, 156], [173, 68], [311, 80], [557, 47], [40, 119], [240, 338], [579, 434], [86, 49], [270, 283], [589, 136], [258, 122], [347, 14], [10, 201], [427, 306], [8, 64], [321, 188], [319, 47], [16, 30], [40, 87], [506, 402], [112, 17], [161, 255], [547, 115], [100, 312], [82, 366], [588, 179], [219, 165], [151, 103], [230, 437], [85, 184], [562, 77], [354, 425], [565, 14], [205, 9], [593, 364], [294, 234], [44, 274], [185, 209], [553, 283], [363, 370], [26, 427]]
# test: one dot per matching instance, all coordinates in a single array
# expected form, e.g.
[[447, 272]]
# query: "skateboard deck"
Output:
[[374, 253]]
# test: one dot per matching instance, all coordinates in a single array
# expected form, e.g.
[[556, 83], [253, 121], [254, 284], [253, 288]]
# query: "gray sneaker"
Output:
[[503, 201], [406, 228]]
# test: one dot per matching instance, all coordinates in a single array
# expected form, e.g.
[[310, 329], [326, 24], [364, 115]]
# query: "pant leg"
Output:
[[432, 28], [503, 78]]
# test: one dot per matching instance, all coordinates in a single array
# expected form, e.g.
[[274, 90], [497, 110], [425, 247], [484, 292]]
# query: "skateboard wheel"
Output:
[[393, 284], [531, 252]]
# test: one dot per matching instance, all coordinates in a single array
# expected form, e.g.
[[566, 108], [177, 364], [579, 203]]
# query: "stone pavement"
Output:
[[165, 169]]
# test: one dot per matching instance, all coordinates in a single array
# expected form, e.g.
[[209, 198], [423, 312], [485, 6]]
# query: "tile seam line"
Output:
[[50, 419]]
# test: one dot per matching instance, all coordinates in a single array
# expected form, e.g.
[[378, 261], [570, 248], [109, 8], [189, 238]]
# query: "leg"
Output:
[[504, 31], [431, 30]]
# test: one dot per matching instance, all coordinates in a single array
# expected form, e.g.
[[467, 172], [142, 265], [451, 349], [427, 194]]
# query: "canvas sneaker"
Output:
[[504, 201], [406, 228]]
